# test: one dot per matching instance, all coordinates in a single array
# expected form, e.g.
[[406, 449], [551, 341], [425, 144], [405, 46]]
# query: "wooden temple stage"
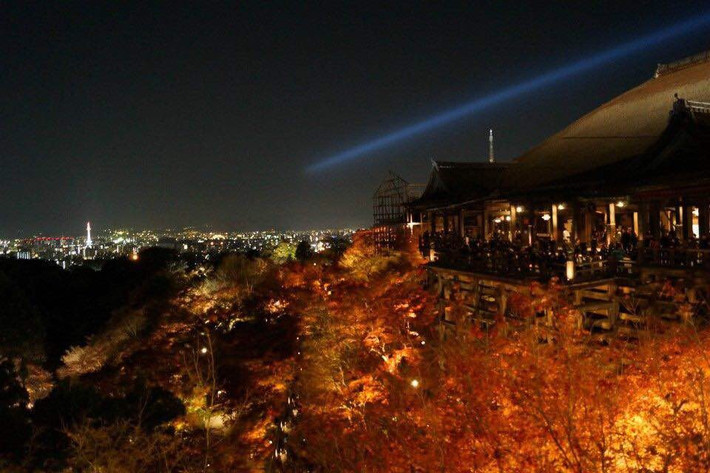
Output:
[[624, 305], [616, 207]]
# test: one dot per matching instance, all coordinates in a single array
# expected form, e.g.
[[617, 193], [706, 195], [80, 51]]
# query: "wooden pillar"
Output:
[[643, 220], [530, 212], [462, 227], [654, 219], [687, 217], [577, 223], [502, 300], [485, 222], [680, 226], [703, 219], [611, 232], [636, 223], [513, 221], [588, 224], [553, 232]]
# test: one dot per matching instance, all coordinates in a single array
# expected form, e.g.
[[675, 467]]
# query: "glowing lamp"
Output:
[[569, 270], [507, 218], [519, 209], [414, 383], [696, 212], [560, 206], [620, 204], [546, 217]]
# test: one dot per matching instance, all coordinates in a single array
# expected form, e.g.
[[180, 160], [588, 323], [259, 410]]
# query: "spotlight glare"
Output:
[[694, 24]]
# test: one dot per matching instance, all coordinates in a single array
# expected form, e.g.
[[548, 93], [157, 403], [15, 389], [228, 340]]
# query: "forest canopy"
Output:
[[308, 363]]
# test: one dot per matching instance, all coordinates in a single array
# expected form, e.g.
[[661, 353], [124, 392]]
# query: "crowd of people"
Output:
[[544, 257], [496, 255]]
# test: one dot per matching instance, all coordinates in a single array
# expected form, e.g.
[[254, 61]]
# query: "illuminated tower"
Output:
[[491, 156], [88, 234]]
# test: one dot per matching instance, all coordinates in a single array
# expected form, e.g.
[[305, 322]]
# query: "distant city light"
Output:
[[68, 251]]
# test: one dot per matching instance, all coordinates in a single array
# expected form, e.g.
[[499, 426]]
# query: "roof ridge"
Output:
[[485, 164], [616, 100], [662, 69]]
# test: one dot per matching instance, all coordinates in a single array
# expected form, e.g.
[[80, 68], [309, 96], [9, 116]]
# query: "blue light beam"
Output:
[[482, 103]]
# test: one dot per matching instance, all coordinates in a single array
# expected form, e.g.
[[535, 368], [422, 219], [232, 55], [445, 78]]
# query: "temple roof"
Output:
[[460, 182], [643, 138], [679, 158], [623, 128]]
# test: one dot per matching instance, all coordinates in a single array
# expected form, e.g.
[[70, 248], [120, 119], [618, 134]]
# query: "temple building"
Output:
[[621, 193]]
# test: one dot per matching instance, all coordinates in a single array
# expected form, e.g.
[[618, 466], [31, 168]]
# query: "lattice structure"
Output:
[[389, 210]]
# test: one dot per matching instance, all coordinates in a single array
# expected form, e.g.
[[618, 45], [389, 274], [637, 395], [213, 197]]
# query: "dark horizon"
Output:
[[140, 116]]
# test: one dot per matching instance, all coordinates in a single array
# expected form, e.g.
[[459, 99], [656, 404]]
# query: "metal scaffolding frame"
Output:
[[389, 210]]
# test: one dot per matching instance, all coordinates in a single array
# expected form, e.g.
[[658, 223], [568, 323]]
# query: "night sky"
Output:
[[207, 113]]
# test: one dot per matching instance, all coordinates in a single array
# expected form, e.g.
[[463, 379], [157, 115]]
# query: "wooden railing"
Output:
[[675, 257], [504, 262], [593, 269], [680, 64], [523, 263], [698, 107]]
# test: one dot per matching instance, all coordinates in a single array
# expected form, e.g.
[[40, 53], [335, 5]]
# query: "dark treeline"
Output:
[[44, 311], [130, 365]]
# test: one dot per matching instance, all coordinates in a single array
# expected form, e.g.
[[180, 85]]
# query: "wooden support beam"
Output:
[[611, 232], [687, 219], [485, 222], [577, 223], [530, 210], [636, 223], [654, 219], [643, 220], [679, 221], [588, 224], [462, 228], [553, 233]]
